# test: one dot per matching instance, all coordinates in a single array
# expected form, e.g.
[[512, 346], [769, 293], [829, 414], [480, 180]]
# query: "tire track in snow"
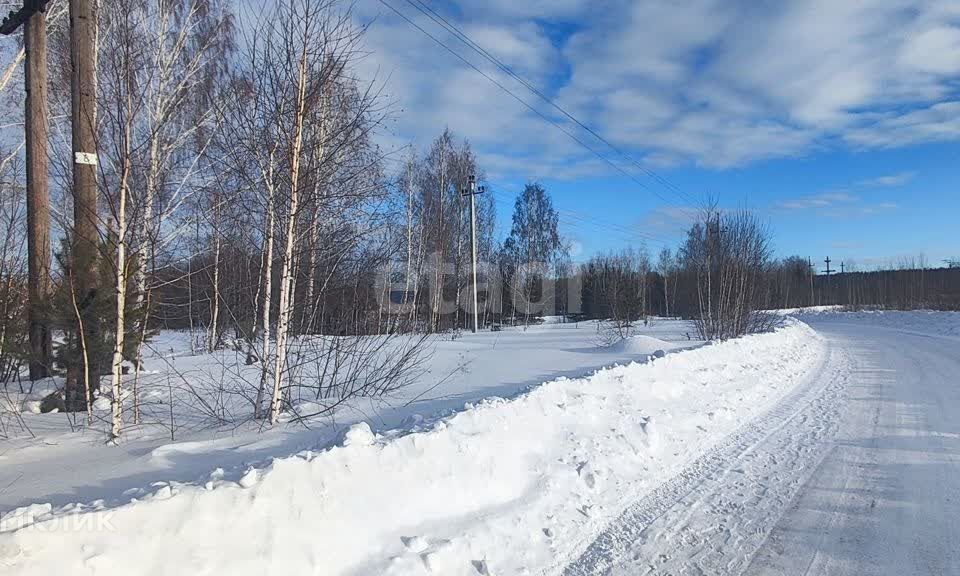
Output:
[[713, 516]]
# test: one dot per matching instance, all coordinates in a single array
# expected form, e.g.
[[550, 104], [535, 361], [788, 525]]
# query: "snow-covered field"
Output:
[[59, 466], [504, 486]]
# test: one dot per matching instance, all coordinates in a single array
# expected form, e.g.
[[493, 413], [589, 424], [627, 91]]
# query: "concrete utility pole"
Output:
[[828, 271], [33, 19], [472, 191], [844, 290], [86, 237]]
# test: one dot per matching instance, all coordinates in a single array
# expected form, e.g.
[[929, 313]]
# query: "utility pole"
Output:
[[472, 191], [86, 237], [844, 290], [34, 21], [812, 273], [828, 271]]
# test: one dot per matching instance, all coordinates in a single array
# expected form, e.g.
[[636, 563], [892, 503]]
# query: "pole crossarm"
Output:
[[16, 19], [472, 189]]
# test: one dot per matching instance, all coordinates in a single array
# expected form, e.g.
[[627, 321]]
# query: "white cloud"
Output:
[[521, 47], [888, 181], [938, 122], [933, 50], [824, 200], [841, 203], [715, 82]]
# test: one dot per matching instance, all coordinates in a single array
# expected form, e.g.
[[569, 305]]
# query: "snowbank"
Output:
[[503, 487], [644, 345], [806, 310]]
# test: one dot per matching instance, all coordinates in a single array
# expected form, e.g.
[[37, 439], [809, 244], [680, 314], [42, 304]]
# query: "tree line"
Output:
[[241, 196], [723, 276]]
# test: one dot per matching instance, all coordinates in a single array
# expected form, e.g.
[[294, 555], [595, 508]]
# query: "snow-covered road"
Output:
[[856, 473]]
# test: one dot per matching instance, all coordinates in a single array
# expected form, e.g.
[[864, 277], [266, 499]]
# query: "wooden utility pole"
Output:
[[472, 191], [38, 195], [86, 237], [31, 16]]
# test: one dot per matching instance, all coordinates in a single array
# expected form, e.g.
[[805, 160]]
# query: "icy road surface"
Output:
[[856, 473]]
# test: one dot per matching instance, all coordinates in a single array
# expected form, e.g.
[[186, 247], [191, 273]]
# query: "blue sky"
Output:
[[838, 121]]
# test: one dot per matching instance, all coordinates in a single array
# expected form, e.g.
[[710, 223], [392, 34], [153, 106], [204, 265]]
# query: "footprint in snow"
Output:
[[481, 567], [415, 544], [587, 474], [430, 560], [9, 553]]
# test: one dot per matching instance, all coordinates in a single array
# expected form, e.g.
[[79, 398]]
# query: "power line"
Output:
[[551, 121], [462, 36]]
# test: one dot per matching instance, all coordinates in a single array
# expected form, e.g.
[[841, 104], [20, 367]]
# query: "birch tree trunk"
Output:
[[121, 295], [267, 288], [286, 277], [214, 334], [310, 308], [406, 278]]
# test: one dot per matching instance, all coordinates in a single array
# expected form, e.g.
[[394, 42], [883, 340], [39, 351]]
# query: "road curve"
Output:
[[855, 473]]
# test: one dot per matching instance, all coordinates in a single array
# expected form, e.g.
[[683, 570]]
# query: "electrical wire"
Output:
[[469, 42], [529, 106]]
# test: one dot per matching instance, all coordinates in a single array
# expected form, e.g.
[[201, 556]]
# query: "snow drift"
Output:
[[642, 344], [503, 487]]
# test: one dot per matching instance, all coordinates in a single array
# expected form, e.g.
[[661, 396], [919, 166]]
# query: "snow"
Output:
[[916, 321], [643, 344], [359, 434], [883, 500], [505, 486], [851, 473], [806, 310], [64, 466]]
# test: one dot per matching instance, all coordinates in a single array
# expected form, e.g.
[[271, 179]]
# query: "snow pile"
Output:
[[806, 310], [504, 487], [637, 345], [12, 400], [918, 321]]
